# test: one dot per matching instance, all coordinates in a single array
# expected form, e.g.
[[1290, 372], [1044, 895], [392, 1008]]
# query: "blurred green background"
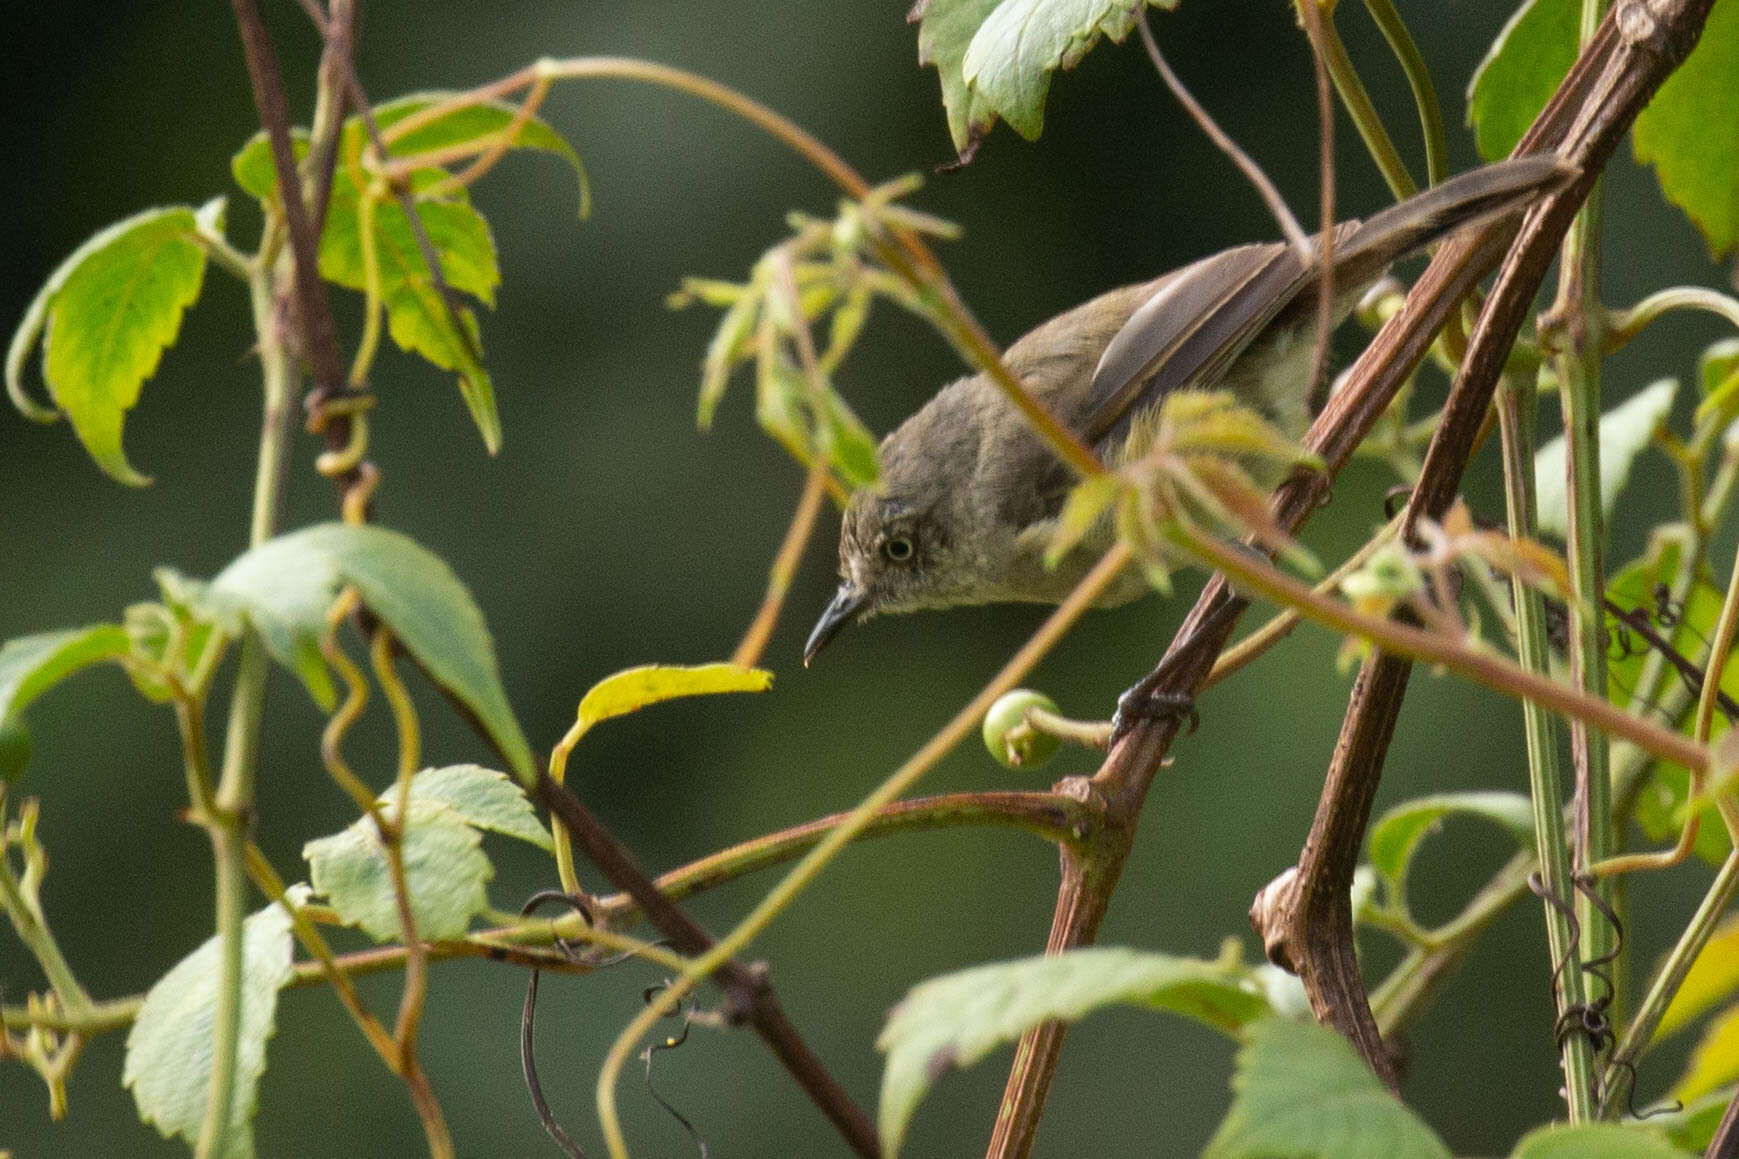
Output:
[[610, 533]]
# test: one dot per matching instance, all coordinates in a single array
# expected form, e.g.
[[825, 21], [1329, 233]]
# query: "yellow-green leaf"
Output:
[[634, 688], [1713, 978]]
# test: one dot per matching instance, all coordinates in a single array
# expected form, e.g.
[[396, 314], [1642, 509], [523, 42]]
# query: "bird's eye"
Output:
[[898, 549]]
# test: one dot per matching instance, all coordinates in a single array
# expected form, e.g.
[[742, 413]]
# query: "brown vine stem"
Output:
[[1637, 46]]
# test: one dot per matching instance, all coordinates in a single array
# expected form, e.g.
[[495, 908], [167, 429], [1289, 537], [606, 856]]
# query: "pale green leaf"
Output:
[[15, 746], [1692, 1125], [485, 798], [1520, 72], [31, 665], [945, 30], [1017, 47], [253, 168], [1625, 431], [1596, 1141], [169, 1049], [1396, 835], [1301, 1093], [848, 444], [105, 317], [1714, 977], [634, 688], [1718, 370], [955, 1020], [284, 587], [445, 874], [1690, 131], [1083, 510]]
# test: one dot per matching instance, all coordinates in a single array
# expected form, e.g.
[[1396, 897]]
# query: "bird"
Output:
[[969, 495]]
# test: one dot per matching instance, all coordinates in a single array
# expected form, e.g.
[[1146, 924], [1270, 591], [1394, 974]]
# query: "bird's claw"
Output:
[[1142, 703]]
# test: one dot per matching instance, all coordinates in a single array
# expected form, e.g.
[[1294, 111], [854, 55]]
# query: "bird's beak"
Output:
[[847, 603]]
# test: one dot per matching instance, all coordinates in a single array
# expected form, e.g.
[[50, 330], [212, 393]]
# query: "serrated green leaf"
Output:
[[485, 798], [169, 1049], [634, 688], [1690, 131], [419, 322], [1625, 431], [284, 586], [945, 30], [445, 874], [253, 168], [1397, 834], [472, 123], [1017, 47], [105, 317], [955, 1020], [1718, 370], [458, 232], [31, 665], [1301, 1093], [1520, 72], [1596, 1141]]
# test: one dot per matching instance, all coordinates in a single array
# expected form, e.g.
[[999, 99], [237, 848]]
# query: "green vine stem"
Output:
[[1623, 325], [1412, 62], [18, 898], [1516, 405], [1358, 105]]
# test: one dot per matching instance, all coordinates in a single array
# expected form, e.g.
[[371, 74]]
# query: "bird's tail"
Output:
[[1495, 190]]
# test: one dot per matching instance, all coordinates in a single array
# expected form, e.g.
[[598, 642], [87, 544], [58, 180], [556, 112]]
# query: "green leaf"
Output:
[[1013, 53], [169, 1048], [105, 317], [15, 746], [1301, 1093], [1690, 131], [1661, 805], [1625, 431], [945, 30], [1693, 1126], [1595, 1141], [1397, 834], [1082, 510], [634, 688], [458, 232], [1718, 370], [1715, 1061], [956, 1019], [471, 123], [253, 168], [485, 798], [445, 872], [31, 665], [848, 444], [1713, 978], [1520, 72], [284, 586]]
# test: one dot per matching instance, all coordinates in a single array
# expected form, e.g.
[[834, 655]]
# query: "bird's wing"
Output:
[[1189, 332]]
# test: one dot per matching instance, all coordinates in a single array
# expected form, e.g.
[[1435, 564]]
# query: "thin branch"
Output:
[[1252, 172]]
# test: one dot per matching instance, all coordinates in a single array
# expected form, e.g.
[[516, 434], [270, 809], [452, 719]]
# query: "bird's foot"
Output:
[[1145, 702]]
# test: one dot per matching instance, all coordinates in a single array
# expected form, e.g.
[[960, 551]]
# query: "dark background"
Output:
[[610, 533]]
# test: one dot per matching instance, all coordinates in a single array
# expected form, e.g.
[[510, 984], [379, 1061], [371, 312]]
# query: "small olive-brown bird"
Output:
[[969, 495]]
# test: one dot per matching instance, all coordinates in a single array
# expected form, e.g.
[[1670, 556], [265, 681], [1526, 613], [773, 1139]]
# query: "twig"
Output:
[[1252, 172]]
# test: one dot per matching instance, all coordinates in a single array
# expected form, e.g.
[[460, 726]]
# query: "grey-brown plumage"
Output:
[[969, 495]]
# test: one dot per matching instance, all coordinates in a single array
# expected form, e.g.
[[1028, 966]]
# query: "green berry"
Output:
[[1027, 749]]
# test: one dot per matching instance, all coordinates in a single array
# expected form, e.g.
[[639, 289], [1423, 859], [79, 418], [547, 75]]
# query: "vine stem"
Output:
[[908, 255], [1516, 403], [1253, 576], [858, 820]]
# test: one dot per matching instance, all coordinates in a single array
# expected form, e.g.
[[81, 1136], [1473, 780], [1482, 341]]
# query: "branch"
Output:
[[1634, 51]]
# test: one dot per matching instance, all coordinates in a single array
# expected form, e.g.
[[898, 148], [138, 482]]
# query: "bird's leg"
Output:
[[1150, 698]]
